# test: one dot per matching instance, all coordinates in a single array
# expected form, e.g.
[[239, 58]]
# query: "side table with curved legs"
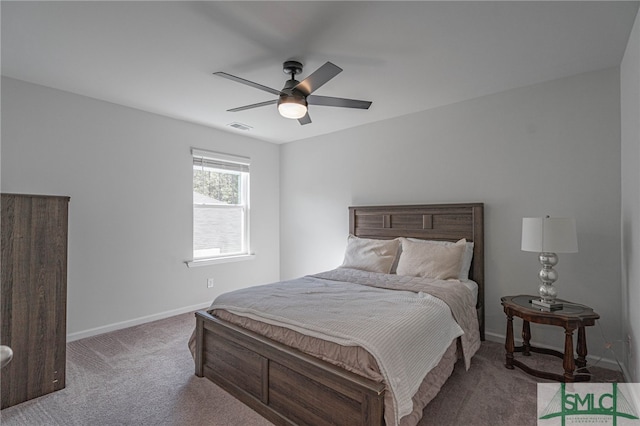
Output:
[[571, 317]]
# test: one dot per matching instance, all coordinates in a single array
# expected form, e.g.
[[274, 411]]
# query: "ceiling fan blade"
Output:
[[305, 120], [337, 102], [247, 82], [259, 104], [318, 78]]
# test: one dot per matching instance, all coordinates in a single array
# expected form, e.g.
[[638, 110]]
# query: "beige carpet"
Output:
[[144, 376]]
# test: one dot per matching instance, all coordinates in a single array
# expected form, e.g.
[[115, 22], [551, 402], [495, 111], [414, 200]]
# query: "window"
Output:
[[220, 205]]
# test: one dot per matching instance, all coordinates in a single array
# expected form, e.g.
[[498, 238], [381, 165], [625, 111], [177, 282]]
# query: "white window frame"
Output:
[[230, 163]]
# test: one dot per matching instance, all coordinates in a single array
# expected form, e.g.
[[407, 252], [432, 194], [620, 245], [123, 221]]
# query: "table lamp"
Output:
[[548, 236]]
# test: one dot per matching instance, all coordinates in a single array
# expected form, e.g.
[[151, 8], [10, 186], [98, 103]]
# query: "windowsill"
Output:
[[218, 260]]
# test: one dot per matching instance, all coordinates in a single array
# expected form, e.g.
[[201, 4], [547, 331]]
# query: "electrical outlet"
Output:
[[209, 282]]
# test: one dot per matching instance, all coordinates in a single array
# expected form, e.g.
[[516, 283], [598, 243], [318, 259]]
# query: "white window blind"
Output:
[[220, 161]]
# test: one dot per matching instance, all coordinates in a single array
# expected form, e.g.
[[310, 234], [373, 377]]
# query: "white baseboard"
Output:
[[136, 321], [611, 364]]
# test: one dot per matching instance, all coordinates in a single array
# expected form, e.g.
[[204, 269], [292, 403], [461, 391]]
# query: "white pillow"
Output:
[[370, 254], [465, 266], [424, 259]]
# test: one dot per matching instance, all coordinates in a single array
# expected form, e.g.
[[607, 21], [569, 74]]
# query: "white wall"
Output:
[[630, 101], [129, 177], [551, 148]]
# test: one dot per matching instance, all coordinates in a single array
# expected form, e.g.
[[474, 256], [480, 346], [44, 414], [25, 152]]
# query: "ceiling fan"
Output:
[[296, 95]]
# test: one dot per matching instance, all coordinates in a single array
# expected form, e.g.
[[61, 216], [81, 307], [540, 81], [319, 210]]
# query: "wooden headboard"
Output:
[[448, 222]]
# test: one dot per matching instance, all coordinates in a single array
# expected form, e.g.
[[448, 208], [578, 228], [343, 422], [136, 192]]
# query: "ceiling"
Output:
[[159, 56]]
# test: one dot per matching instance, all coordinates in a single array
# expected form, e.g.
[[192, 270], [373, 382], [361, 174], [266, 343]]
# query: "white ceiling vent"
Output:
[[239, 126]]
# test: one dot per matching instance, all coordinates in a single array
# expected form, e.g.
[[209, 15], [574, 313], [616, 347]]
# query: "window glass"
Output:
[[220, 206]]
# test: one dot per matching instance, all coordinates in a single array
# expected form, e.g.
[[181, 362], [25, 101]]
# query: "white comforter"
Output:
[[406, 332]]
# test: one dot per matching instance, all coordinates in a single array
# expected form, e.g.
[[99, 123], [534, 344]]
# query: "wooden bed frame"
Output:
[[289, 387]]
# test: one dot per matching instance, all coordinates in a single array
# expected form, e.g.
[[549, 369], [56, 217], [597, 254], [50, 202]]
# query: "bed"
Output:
[[290, 384]]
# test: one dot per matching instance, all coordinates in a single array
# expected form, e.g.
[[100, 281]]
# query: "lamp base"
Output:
[[551, 306]]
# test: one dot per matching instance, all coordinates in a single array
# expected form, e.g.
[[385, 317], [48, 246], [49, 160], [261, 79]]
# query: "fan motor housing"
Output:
[[292, 96], [289, 85], [289, 91]]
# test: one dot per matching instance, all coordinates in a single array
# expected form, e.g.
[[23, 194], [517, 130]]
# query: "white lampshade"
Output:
[[549, 234]]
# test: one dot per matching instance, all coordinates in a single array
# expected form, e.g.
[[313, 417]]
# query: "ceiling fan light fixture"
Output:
[[293, 107], [292, 110]]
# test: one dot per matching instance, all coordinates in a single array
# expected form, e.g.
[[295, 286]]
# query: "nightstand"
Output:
[[571, 317]]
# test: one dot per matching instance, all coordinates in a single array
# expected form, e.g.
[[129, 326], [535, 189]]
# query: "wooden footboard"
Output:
[[282, 384]]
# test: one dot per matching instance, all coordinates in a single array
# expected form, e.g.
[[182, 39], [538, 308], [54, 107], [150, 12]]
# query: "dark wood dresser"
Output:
[[33, 295]]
